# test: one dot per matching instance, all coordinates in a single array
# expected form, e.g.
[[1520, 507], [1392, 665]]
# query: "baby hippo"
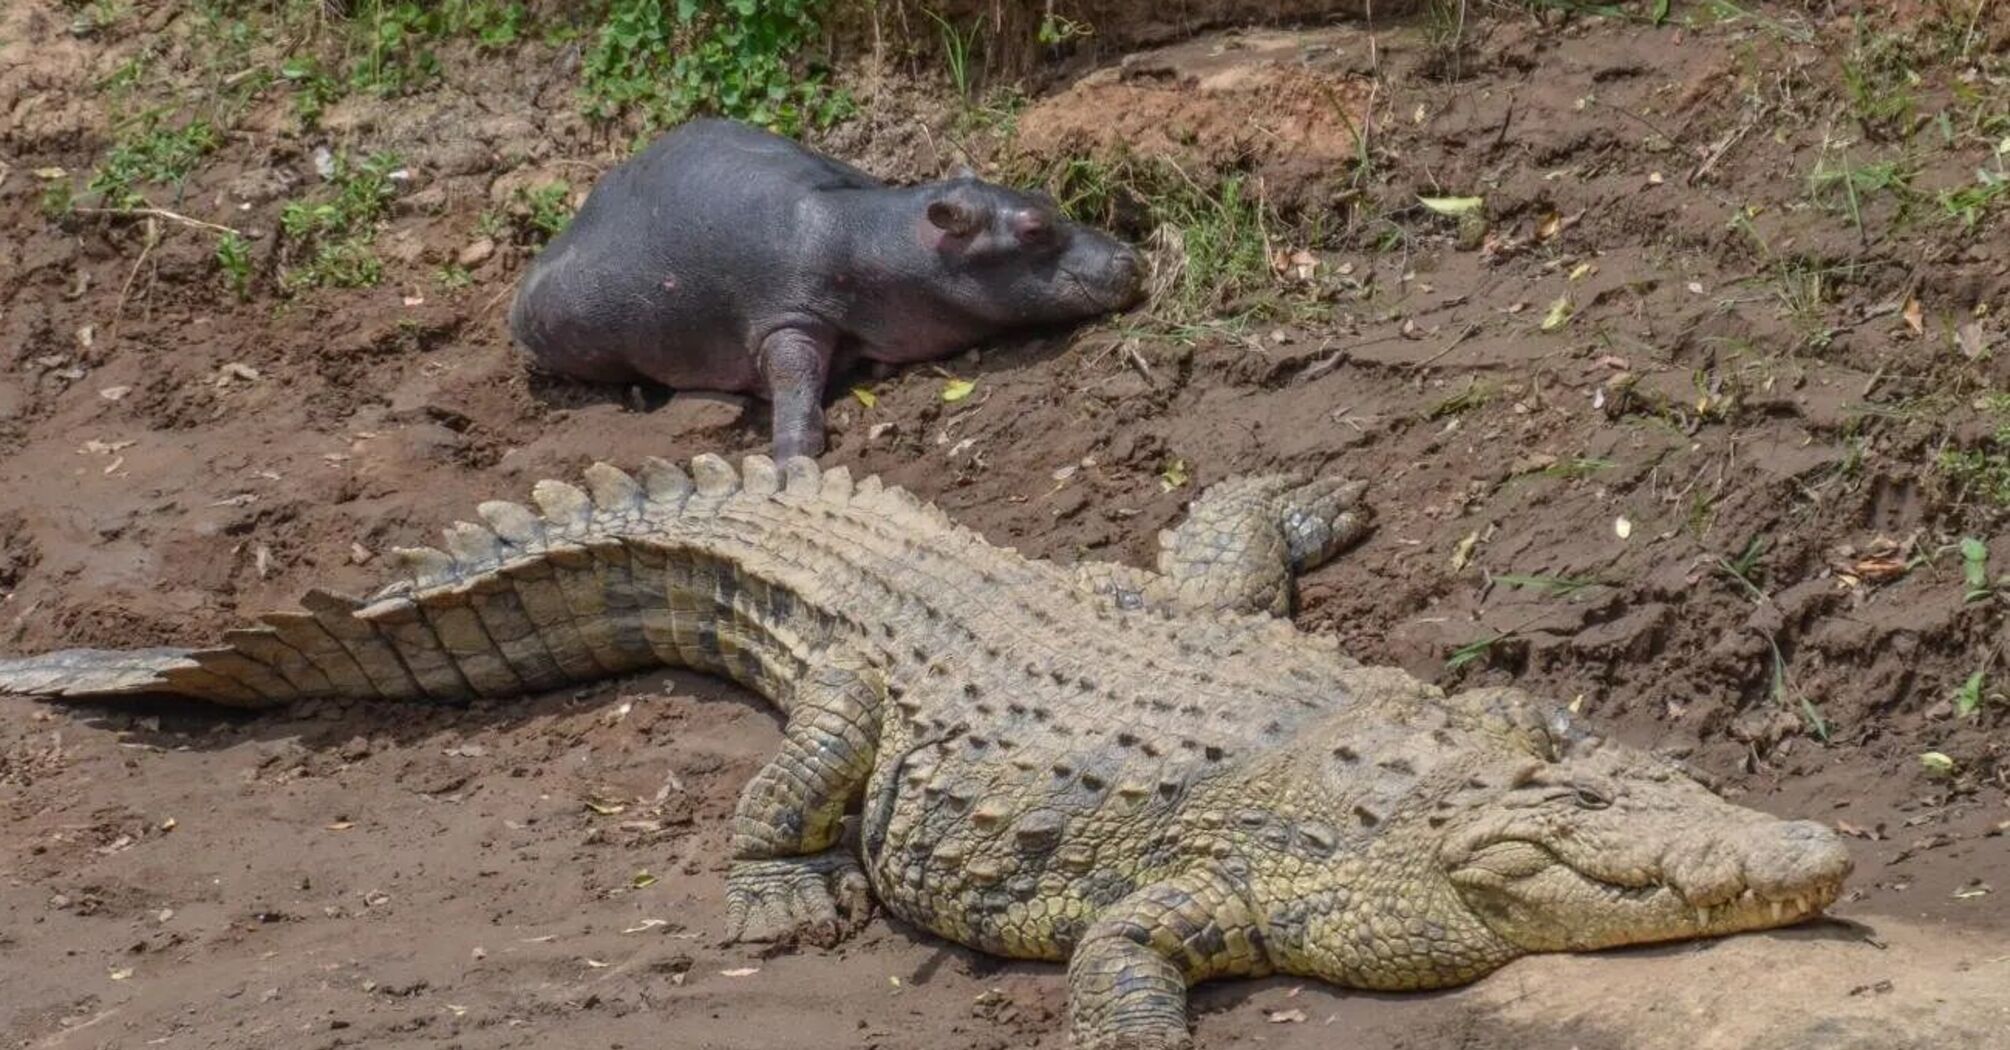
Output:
[[726, 258]]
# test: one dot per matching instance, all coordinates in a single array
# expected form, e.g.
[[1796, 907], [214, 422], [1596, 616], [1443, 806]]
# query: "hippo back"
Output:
[[675, 253]]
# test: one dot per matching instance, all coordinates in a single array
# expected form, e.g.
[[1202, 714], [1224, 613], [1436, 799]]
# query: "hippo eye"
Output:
[[1589, 798]]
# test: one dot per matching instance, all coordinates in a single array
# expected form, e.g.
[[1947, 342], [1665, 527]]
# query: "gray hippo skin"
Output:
[[726, 258]]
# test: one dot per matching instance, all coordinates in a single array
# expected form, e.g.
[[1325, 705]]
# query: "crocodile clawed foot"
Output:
[[820, 899], [1322, 518]]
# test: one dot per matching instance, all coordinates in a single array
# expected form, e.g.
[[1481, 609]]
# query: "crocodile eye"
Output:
[[1589, 798]]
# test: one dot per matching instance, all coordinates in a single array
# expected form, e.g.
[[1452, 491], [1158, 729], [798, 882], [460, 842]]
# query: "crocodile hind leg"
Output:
[[1128, 976], [788, 877], [1241, 547]]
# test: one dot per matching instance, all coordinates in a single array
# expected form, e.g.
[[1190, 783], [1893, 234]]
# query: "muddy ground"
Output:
[[1715, 501]]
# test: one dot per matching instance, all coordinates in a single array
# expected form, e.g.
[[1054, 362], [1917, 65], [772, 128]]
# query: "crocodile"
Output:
[[1151, 775]]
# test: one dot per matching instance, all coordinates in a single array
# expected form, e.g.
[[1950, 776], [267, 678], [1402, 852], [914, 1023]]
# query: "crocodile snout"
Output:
[[1763, 874]]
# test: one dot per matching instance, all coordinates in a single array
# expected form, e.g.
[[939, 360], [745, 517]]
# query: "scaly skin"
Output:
[[1148, 775]]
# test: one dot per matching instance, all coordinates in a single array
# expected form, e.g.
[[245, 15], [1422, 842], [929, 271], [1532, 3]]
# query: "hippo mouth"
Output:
[[1121, 288]]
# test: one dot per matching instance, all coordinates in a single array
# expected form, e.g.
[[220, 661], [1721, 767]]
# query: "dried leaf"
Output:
[[1582, 270], [744, 971], [865, 397], [1937, 763], [1559, 314], [1551, 225], [1621, 527], [115, 393], [1462, 554], [1969, 338], [643, 880], [1287, 1017], [1915, 318], [958, 389], [1174, 475], [605, 809], [341, 825], [1453, 206], [236, 370]]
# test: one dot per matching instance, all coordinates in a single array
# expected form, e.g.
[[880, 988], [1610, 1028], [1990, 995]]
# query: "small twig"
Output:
[[1718, 152], [153, 237], [159, 213], [1650, 125], [1968, 38], [1137, 361], [1449, 347]]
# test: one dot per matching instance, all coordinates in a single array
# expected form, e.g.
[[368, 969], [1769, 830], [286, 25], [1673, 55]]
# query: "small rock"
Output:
[[261, 185], [696, 412], [477, 253], [405, 247]]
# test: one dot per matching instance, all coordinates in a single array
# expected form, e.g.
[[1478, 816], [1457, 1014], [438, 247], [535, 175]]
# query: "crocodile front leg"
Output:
[[1241, 546], [1128, 977], [788, 877]]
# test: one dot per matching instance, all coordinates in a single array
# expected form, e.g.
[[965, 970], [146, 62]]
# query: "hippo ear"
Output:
[[954, 216]]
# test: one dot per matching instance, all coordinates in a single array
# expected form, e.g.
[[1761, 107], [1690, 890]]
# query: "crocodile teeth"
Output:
[[1702, 916], [1779, 911]]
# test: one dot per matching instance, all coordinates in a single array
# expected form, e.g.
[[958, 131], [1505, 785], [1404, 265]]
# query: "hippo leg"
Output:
[[795, 362]]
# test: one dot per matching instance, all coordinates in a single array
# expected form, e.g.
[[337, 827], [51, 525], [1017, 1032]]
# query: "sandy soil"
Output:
[[547, 872]]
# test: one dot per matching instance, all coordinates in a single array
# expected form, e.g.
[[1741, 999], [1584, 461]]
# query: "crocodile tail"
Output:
[[530, 600]]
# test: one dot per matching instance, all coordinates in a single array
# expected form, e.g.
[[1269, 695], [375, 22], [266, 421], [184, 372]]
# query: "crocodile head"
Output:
[[1500, 830], [1606, 845]]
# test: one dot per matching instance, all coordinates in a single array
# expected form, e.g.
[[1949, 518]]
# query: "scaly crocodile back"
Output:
[[717, 570]]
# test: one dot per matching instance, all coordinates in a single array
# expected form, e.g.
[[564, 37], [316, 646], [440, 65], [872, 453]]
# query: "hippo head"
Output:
[[1011, 258]]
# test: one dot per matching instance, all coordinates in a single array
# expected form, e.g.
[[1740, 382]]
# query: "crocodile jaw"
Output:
[[1755, 875]]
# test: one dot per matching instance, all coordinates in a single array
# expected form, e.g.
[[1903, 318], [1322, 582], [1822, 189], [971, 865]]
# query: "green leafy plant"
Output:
[[1983, 472], [59, 198], [1472, 652], [151, 152], [740, 58], [333, 238], [1210, 238], [1968, 699], [1976, 583], [313, 89], [956, 50], [1057, 30], [398, 55], [234, 256], [547, 209], [1744, 569], [1786, 696], [1557, 586]]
